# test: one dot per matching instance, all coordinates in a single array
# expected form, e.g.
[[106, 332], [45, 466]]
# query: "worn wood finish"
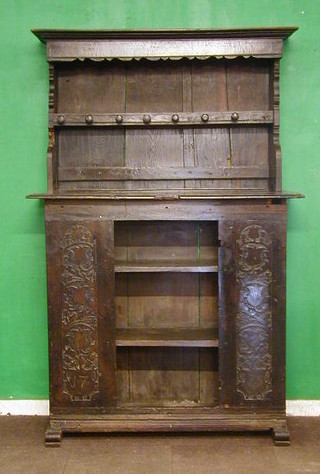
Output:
[[166, 231]]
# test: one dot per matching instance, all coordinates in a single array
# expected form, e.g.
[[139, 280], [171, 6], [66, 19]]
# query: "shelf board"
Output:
[[197, 266], [167, 194], [167, 337]]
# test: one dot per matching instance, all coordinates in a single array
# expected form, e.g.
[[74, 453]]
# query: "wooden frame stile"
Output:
[[166, 231]]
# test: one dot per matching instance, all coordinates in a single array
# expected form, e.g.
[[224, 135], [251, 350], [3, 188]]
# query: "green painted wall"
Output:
[[23, 141]]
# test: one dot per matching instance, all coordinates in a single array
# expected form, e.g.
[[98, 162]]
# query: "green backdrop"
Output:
[[23, 141]]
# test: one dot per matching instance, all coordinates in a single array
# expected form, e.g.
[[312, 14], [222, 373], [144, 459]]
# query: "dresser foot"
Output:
[[280, 435], [53, 437]]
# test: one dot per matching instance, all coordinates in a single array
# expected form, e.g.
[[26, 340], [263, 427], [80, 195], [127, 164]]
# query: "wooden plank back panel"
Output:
[[91, 87], [163, 300], [90, 147], [248, 84], [138, 87], [209, 93], [156, 87], [250, 147], [154, 148], [168, 377]]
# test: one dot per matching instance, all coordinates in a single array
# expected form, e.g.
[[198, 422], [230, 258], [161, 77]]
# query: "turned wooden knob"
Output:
[[204, 117], [61, 119], [89, 118], [175, 118], [146, 119], [119, 118], [235, 116]]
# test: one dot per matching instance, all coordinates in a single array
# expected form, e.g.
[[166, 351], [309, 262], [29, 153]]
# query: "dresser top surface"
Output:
[[76, 34]]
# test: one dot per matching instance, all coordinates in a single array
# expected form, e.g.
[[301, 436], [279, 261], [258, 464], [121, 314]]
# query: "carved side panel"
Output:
[[254, 318], [252, 312], [81, 314]]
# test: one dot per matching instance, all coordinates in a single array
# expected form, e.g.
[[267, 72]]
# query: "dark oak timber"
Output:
[[165, 231]]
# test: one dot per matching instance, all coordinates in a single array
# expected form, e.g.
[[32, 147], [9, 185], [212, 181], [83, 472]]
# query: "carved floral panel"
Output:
[[79, 315], [254, 318]]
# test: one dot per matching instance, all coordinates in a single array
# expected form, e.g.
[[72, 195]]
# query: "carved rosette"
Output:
[[254, 323], [79, 315]]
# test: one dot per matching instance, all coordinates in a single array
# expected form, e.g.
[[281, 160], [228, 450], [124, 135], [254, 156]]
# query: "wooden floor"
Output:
[[22, 451]]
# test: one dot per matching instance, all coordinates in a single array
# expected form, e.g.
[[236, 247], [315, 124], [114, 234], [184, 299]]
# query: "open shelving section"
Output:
[[166, 312]]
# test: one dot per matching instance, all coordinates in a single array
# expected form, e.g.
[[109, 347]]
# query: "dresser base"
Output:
[[167, 423]]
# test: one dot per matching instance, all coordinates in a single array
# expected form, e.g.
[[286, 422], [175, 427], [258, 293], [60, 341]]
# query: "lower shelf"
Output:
[[133, 337], [204, 266]]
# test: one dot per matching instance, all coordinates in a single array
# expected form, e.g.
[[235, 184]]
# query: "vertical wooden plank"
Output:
[[164, 376], [121, 300], [248, 89], [154, 87], [208, 85], [188, 133], [208, 283], [208, 315], [208, 377], [165, 240], [250, 147], [208, 300], [123, 376], [248, 84], [252, 313], [90, 147], [80, 272], [211, 145], [163, 300], [91, 87]]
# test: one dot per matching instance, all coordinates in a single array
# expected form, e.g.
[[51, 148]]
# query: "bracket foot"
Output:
[[280, 435], [53, 437]]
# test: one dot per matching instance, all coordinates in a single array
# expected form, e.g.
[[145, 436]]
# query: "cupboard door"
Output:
[[80, 270], [252, 313]]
